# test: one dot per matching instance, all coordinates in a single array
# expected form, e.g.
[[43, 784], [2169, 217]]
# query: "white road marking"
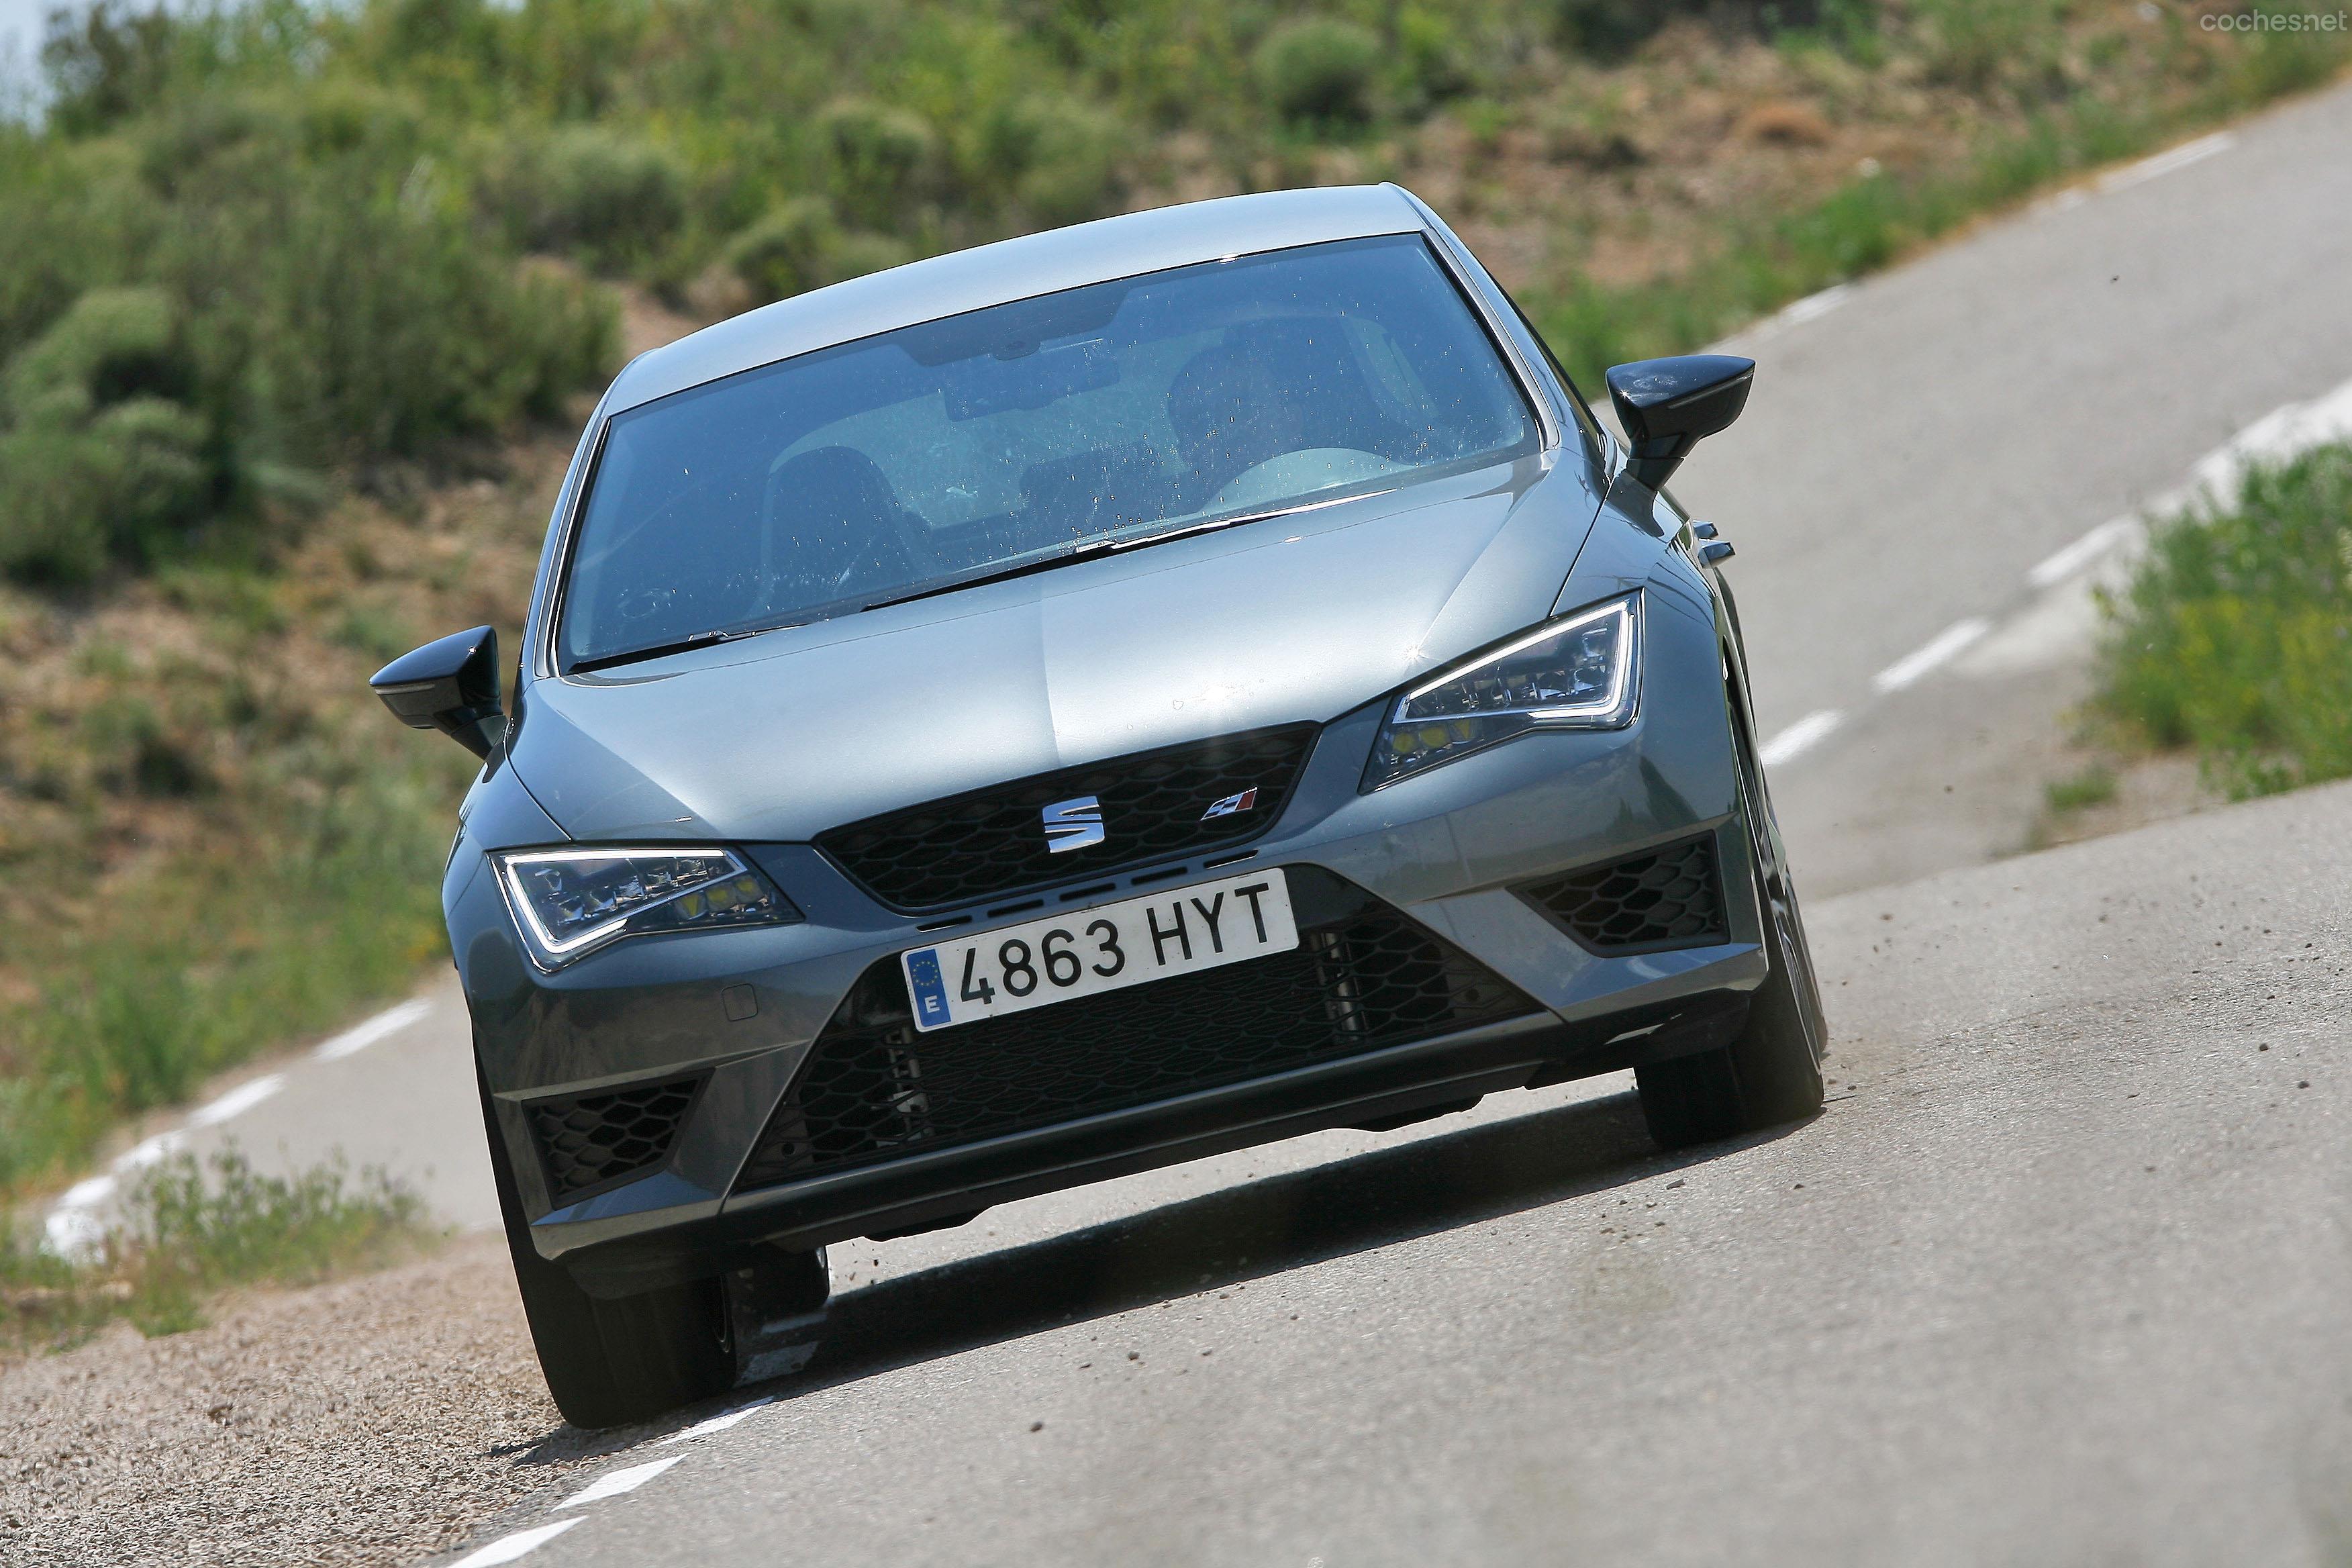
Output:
[[1807, 731], [238, 1100], [1944, 646], [360, 1037], [616, 1482], [88, 1192], [2109, 535], [72, 1233], [2180, 157], [2277, 437], [507, 1548], [147, 1151], [1813, 307], [718, 1423], [72, 1228]]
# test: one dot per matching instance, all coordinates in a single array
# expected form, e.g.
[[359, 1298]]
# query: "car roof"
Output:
[[1015, 270]]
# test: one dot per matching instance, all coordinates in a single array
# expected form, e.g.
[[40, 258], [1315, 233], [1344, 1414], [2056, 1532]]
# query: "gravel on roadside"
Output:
[[372, 1420]]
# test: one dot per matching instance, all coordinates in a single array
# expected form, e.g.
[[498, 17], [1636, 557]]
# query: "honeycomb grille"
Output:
[[992, 842], [1363, 976], [1667, 898], [589, 1139]]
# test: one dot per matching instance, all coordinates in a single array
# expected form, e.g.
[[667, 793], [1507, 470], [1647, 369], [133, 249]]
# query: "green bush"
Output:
[[877, 159], [107, 63], [802, 246], [787, 252], [1058, 157], [1319, 70], [240, 290], [1434, 61], [97, 459], [610, 199], [2234, 635], [353, 324]]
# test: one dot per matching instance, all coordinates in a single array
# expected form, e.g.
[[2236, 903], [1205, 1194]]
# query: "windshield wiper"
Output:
[[1094, 548], [664, 650], [1087, 552]]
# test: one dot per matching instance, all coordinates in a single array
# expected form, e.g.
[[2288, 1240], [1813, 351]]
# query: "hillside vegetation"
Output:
[[297, 303]]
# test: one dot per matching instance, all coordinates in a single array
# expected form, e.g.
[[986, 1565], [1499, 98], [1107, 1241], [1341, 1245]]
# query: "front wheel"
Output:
[[609, 1362], [1772, 1072]]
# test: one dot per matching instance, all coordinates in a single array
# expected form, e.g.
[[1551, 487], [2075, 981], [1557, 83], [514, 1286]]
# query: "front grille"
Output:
[[992, 842], [1665, 898], [1363, 976], [589, 1139]]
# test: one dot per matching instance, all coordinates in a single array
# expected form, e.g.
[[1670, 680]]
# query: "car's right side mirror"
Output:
[[1666, 405], [452, 685]]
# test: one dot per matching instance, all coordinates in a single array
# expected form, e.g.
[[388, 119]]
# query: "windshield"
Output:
[[1016, 435]]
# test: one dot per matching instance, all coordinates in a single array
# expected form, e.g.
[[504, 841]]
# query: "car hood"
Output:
[[781, 736]]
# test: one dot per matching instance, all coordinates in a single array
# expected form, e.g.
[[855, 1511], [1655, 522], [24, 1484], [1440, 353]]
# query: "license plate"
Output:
[[1106, 948]]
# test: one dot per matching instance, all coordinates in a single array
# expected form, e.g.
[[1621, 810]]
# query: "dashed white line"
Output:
[[88, 1192], [2065, 562], [615, 1483], [147, 1151], [2180, 157], [1942, 646], [507, 1548], [72, 1229], [1807, 731], [718, 1423], [360, 1037], [1814, 306], [238, 1100]]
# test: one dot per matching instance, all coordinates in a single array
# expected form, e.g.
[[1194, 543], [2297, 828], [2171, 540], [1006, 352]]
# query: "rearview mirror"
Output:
[[451, 686], [1666, 405]]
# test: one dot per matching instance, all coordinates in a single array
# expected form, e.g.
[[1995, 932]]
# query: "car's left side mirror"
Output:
[[1666, 407], [451, 686]]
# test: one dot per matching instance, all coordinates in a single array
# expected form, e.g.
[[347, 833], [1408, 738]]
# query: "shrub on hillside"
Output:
[[1057, 157], [802, 246], [877, 160], [610, 199], [99, 456], [1319, 69], [2235, 636]]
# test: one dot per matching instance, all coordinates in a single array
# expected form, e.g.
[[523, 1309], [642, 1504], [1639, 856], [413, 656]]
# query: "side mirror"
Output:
[[1665, 406], [451, 686]]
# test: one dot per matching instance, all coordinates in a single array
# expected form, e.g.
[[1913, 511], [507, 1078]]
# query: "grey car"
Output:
[[1089, 703]]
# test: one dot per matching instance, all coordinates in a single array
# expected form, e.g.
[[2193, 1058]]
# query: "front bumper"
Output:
[[737, 1013]]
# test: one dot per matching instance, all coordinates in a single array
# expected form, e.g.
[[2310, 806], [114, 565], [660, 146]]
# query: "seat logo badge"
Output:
[[1231, 804], [1074, 824]]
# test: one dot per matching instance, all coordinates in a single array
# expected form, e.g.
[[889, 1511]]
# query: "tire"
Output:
[[1771, 1073], [609, 1362]]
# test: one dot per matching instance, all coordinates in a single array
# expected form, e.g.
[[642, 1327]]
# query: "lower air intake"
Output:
[[589, 1141], [1665, 898], [1362, 977]]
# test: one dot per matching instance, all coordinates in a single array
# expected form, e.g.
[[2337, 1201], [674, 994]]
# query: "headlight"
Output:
[[571, 901], [1579, 672]]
